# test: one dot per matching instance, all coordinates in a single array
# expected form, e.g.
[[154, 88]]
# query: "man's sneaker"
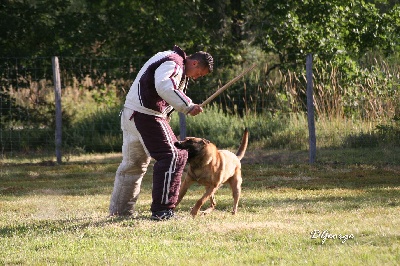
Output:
[[162, 215]]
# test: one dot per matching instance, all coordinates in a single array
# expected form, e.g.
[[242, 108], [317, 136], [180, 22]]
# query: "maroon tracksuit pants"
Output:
[[158, 139]]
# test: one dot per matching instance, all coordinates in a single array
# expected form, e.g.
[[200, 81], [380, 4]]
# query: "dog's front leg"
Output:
[[213, 203], [184, 188], [209, 191]]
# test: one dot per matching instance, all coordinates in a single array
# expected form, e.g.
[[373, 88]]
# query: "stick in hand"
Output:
[[220, 90]]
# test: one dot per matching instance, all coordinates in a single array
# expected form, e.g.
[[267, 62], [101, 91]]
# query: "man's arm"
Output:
[[166, 80]]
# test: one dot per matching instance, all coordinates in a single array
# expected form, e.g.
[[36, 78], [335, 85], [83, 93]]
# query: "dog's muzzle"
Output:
[[178, 144]]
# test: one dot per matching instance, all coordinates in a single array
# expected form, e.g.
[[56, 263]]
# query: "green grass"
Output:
[[57, 215]]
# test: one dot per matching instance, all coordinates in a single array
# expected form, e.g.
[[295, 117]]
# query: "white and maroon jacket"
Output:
[[159, 87]]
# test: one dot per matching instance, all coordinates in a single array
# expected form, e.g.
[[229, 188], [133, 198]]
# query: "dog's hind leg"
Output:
[[236, 185]]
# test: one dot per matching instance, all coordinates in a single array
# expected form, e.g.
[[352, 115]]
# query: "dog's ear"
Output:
[[205, 141]]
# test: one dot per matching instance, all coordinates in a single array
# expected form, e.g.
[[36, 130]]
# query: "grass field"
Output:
[[290, 213]]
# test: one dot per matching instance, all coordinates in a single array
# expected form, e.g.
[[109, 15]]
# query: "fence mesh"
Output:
[[98, 86]]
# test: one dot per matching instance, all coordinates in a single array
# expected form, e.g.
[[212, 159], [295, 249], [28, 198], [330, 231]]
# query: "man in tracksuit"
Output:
[[158, 89]]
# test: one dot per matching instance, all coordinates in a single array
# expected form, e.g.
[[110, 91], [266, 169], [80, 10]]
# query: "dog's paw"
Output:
[[194, 212], [207, 211], [203, 213]]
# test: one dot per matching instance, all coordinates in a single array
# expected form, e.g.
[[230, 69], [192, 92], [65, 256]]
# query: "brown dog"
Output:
[[212, 168]]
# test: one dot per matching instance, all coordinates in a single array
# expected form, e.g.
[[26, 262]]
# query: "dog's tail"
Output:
[[243, 145]]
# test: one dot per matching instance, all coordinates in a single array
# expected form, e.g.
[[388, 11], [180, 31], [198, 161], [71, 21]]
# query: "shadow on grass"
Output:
[[327, 204], [314, 188], [335, 156], [304, 201], [85, 177], [321, 177], [96, 175], [47, 226]]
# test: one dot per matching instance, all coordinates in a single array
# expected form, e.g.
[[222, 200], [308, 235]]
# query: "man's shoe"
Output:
[[162, 215]]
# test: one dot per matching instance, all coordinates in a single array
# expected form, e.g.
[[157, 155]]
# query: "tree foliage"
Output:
[[355, 45], [293, 29], [131, 27], [275, 33]]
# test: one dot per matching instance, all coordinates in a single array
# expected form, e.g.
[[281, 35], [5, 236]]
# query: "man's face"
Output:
[[194, 71]]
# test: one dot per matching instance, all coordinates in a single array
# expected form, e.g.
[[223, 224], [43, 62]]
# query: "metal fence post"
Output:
[[182, 126], [310, 109], [57, 92]]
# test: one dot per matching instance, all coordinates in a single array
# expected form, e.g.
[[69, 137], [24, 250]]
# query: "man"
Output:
[[158, 89]]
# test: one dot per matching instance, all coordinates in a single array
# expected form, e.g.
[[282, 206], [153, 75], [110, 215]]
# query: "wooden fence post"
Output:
[[57, 92], [310, 109]]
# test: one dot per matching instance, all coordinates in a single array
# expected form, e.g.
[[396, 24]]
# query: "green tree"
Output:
[[292, 29]]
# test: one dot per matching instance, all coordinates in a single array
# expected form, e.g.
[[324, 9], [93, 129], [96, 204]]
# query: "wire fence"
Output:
[[27, 121], [94, 88]]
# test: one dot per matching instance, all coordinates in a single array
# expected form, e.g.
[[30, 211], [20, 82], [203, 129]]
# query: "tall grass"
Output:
[[100, 132], [282, 131]]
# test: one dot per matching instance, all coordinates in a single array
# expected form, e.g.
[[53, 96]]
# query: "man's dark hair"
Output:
[[205, 60]]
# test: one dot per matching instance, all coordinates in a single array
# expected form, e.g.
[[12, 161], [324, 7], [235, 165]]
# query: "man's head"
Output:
[[199, 64]]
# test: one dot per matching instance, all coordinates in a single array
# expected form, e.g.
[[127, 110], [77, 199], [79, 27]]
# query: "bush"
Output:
[[225, 130], [98, 132], [383, 135]]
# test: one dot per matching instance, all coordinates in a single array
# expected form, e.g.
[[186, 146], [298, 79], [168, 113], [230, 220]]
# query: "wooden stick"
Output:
[[220, 90]]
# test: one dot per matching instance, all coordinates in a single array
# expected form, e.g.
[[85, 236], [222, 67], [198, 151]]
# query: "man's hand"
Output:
[[196, 109]]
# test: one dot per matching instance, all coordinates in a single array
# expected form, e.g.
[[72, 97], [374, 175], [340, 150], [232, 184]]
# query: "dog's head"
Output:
[[194, 146]]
